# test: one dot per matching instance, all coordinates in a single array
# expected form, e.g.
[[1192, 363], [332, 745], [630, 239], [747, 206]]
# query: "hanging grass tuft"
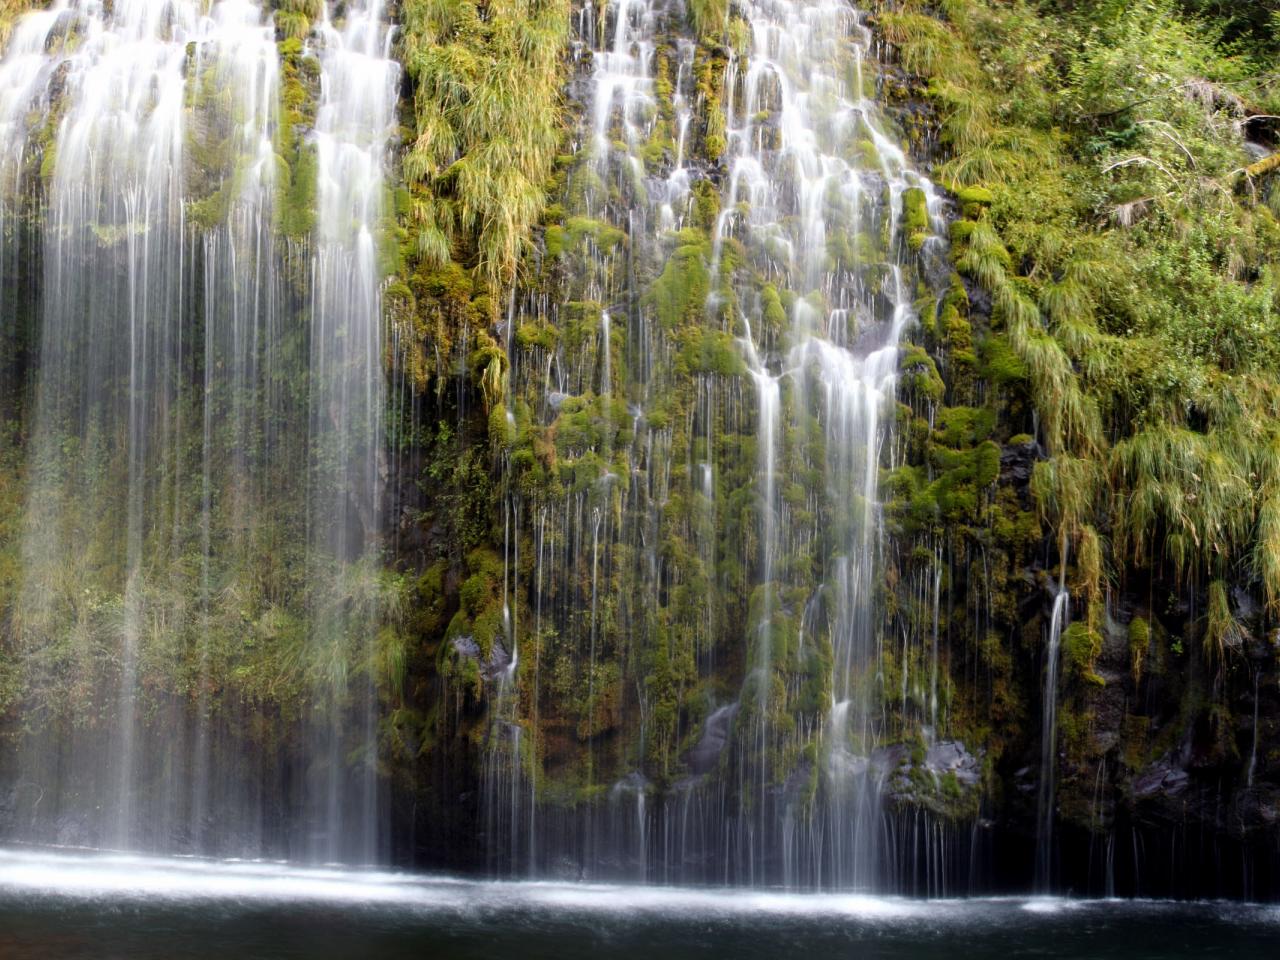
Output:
[[488, 117], [1223, 633]]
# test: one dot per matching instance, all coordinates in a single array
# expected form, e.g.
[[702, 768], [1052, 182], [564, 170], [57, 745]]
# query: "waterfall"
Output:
[[240, 306], [674, 623], [354, 125], [202, 538], [106, 427], [1045, 815], [24, 75], [793, 165], [745, 311]]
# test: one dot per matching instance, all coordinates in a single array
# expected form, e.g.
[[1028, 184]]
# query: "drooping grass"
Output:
[[487, 122], [1222, 631], [708, 16]]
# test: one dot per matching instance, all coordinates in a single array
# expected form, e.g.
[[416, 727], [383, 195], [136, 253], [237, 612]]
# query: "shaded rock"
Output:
[[705, 755], [1018, 461], [1162, 779], [945, 780]]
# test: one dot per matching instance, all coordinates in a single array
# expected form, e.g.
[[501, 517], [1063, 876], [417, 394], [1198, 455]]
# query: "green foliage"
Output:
[[678, 297], [296, 173], [10, 11], [1223, 633], [710, 351], [1094, 152]]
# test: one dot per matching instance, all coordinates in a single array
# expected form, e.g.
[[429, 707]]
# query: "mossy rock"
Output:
[[978, 195], [1081, 647], [999, 364], [679, 295], [711, 352], [915, 217], [964, 426], [961, 230]]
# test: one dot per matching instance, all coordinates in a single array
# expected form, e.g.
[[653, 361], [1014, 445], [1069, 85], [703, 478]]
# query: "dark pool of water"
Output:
[[59, 905]]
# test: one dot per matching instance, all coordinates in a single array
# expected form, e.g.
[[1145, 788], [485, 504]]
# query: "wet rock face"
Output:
[[944, 779], [950, 756], [1017, 461], [705, 755], [1167, 795], [497, 663], [1259, 808], [1163, 780]]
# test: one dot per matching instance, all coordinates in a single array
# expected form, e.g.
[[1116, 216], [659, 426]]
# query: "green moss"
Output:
[[964, 426], [773, 315], [915, 219], [679, 295], [554, 241], [960, 231], [710, 351], [296, 169], [708, 16], [291, 25], [706, 204], [998, 363], [920, 374], [1081, 647], [974, 200], [604, 235]]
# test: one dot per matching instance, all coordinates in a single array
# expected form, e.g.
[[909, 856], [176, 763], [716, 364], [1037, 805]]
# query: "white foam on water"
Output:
[[125, 877], [97, 876], [94, 877], [1049, 905], [709, 902]]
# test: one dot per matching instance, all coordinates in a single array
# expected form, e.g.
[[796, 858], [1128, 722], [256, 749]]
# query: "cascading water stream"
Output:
[[781, 273], [713, 411], [648, 473], [205, 438], [793, 132], [577, 534], [241, 313], [355, 122]]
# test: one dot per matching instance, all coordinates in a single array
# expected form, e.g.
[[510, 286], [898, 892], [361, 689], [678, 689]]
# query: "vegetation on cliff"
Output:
[[1116, 217]]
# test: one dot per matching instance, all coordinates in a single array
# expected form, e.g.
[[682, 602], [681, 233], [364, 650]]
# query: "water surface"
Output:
[[74, 905]]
